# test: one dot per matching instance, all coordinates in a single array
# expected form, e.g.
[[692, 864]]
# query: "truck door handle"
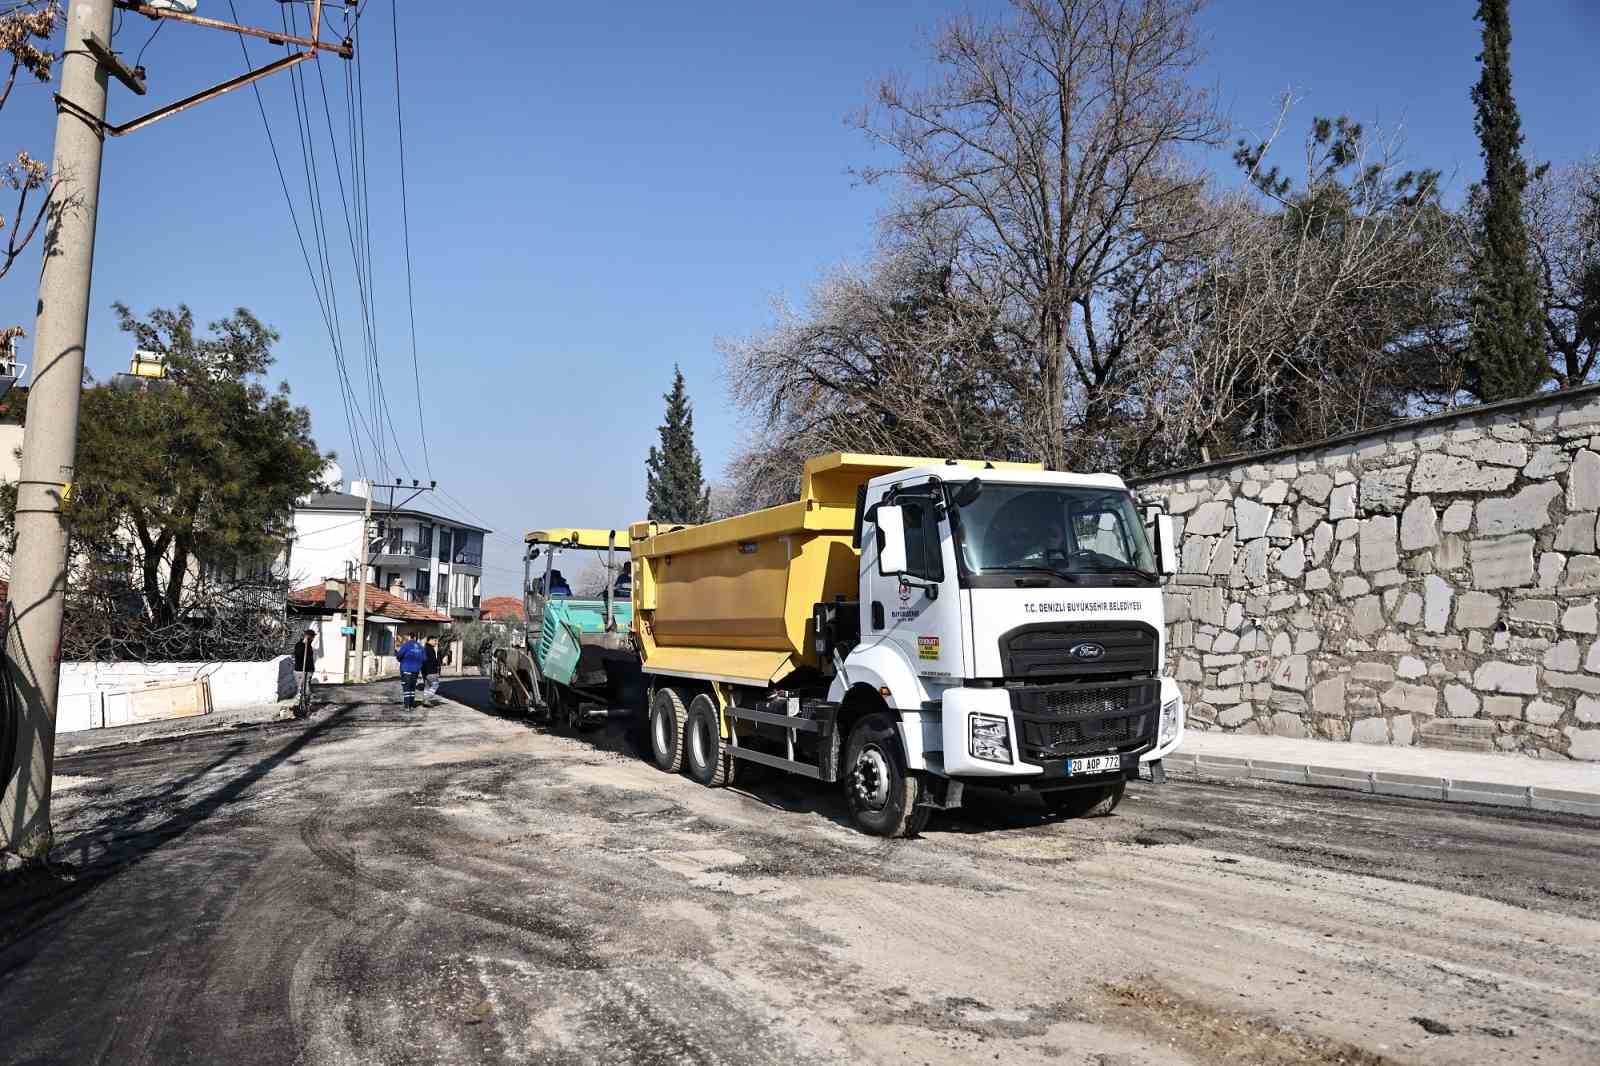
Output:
[[877, 615]]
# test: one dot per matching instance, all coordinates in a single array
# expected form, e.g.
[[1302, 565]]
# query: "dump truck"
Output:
[[574, 660], [911, 627]]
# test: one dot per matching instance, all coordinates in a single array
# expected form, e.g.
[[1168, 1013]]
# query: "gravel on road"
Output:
[[445, 885]]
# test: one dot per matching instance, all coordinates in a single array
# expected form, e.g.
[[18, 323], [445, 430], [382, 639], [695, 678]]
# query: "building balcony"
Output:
[[467, 563], [402, 554]]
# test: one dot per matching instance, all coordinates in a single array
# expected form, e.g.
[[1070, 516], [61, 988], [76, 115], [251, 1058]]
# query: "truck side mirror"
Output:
[[1166, 546], [891, 525]]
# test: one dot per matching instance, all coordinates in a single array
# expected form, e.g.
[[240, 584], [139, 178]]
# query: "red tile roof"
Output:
[[501, 608], [378, 602]]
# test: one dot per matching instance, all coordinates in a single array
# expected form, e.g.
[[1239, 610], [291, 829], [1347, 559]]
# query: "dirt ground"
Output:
[[446, 886]]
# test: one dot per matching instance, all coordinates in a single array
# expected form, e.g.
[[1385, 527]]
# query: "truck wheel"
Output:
[[1085, 802], [667, 720], [702, 737], [881, 794]]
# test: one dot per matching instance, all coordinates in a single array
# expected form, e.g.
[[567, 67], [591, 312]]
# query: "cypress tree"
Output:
[[674, 487], [1506, 347]]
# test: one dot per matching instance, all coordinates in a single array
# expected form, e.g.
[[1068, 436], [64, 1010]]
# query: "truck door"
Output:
[[920, 611]]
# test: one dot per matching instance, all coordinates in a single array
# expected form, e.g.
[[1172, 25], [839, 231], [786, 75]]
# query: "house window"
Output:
[[469, 549], [444, 545]]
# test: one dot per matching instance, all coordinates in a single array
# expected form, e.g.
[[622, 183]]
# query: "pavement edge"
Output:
[[1387, 783]]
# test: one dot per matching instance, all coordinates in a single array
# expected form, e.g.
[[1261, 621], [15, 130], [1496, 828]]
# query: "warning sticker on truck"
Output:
[[927, 647]]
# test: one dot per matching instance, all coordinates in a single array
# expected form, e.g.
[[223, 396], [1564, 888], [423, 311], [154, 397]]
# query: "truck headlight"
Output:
[[1169, 722], [990, 738]]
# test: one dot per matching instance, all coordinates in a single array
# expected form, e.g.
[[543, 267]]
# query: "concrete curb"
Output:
[[94, 740], [1385, 783]]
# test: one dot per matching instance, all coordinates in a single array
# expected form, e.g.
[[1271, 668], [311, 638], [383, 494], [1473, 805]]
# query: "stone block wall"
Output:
[[1432, 582]]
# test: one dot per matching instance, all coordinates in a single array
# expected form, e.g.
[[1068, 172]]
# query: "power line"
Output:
[[302, 101], [328, 315], [405, 221]]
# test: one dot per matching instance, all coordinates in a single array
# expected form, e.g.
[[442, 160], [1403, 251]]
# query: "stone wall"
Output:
[[1433, 582]]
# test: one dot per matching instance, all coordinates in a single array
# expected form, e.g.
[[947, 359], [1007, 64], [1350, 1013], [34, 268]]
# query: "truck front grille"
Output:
[[1056, 722], [1046, 650]]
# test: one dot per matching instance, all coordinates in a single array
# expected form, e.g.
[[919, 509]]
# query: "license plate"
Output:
[[1098, 764]]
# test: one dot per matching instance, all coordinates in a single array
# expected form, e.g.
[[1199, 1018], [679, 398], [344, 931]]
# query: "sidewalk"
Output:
[[81, 740], [1419, 773]]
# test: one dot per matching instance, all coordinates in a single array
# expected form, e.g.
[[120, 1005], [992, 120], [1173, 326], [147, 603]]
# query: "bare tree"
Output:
[[1314, 307], [1563, 217], [1049, 147], [898, 356], [23, 27]]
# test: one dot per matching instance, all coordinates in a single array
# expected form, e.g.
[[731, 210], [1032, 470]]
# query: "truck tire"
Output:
[[881, 794], [667, 721], [704, 758], [1085, 802]]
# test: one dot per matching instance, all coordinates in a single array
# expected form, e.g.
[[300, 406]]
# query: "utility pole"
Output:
[[50, 441], [361, 596], [366, 544], [37, 599], [344, 606]]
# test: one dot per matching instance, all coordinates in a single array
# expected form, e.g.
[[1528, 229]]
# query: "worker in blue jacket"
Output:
[[411, 655]]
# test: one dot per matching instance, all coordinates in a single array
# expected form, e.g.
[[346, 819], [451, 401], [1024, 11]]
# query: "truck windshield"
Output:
[[1072, 532]]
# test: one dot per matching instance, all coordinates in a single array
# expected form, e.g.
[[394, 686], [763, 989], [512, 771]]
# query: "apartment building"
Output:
[[422, 555]]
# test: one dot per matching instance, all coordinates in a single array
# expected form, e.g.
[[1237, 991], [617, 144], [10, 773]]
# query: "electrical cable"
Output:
[[159, 23], [314, 186], [328, 315], [405, 228]]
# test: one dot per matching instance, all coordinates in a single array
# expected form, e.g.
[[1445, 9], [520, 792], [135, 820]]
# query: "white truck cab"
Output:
[[1013, 620]]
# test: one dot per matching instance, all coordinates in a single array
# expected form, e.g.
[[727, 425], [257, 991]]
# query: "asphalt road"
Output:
[[378, 886]]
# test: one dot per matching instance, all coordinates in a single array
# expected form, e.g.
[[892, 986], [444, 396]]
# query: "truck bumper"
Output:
[[961, 705]]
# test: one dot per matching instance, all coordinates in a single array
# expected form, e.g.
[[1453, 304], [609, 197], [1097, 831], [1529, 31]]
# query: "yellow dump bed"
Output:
[[732, 600]]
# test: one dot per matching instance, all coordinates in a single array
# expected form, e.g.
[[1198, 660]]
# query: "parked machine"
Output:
[[573, 661], [908, 628]]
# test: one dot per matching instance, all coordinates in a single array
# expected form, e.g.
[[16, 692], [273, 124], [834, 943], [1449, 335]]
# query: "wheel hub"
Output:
[[698, 742], [869, 779], [658, 735]]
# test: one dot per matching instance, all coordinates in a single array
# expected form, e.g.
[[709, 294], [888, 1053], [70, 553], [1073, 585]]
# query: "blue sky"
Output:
[[599, 191]]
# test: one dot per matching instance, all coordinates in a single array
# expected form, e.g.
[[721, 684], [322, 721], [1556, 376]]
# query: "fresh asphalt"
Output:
[[446, 885]]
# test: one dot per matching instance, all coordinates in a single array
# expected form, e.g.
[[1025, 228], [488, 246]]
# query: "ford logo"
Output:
[[1087, 650]]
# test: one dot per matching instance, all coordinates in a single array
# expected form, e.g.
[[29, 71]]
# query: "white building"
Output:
[[419, 554]]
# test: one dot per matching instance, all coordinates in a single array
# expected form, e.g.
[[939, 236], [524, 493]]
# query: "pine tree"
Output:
[[1506, 347], [675, 489]]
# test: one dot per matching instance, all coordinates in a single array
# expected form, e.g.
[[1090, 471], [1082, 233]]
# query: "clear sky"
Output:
[[598, 191]]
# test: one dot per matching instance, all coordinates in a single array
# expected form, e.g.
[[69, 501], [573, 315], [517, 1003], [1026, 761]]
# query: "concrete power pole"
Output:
[[361, 596], [50, 441]]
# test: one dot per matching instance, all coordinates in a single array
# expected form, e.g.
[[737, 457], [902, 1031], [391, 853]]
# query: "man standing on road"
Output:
[[430, 671], [412, 656], [305, 659]]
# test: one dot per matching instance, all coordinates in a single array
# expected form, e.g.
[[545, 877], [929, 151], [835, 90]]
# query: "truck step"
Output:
[[794, 766], [822, 727]]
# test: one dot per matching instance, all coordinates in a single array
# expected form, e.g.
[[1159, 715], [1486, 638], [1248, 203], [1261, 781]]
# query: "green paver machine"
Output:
[[574, 660]]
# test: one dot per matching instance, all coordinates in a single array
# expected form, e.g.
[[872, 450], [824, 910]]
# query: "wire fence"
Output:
[[109, 619]]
